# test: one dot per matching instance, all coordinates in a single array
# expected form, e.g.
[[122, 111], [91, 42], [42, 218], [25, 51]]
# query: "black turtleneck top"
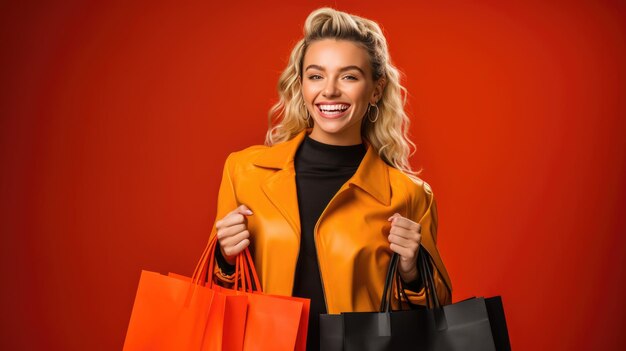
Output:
[[321, 169]]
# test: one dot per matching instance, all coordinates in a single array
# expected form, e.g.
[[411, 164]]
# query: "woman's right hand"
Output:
[[233, 234]]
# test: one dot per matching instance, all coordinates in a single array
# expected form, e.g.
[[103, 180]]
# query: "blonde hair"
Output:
[[389, 134]]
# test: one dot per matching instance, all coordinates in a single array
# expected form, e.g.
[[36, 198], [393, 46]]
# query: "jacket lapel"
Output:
[[280, 187], [372, 176]]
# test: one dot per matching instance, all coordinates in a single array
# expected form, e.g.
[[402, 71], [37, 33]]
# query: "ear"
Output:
[[379, 87]]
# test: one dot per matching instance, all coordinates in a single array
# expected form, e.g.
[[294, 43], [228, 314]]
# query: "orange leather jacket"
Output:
[[350, 235]]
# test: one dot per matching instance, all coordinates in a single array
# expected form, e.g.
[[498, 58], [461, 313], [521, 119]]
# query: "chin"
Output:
[[331, 128]]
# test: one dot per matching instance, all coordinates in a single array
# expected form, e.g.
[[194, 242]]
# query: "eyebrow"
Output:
[[347, 68]]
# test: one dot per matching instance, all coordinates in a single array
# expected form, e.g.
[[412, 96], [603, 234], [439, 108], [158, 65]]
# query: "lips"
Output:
[[332, 110]]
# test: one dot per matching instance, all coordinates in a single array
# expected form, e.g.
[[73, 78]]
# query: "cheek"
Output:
[[307, 94], [360, 94]]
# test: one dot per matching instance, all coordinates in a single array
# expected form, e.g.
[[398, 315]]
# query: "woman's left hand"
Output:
[[405, 237]]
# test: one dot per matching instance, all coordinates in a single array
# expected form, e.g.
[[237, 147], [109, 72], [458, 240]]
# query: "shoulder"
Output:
[[240, 164], [241, 160], [246, 155], [414, 185], [418, 192]]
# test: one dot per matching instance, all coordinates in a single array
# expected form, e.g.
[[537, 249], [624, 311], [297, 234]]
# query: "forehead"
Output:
[[332, 54]]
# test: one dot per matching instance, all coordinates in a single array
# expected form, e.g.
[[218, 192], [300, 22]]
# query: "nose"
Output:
[[330, 89]]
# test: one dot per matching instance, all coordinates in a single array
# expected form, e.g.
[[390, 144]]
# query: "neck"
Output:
[[339, 140]]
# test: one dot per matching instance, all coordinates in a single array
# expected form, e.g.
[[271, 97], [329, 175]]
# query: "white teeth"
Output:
[[333, 113], [329, 108]]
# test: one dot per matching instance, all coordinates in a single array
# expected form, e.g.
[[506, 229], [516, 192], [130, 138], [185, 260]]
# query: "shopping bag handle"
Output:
[[248, 272], [239, 272], [242, 266], [244, 269], [206, 264], [199, 272], [432, 299], [385, 303], [424, 260]]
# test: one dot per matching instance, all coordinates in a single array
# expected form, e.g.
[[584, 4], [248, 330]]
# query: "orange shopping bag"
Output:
[[228, 324], [180, 313], [168, 314], [227, 315], [273, 322]]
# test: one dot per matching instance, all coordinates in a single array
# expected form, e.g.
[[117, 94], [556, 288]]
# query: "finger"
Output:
[[243, 209], [404, 252], [394, 216], [405, 233], [237, 249], [227, 220], [235, 239], [406, 223], [223, 233], [231, 220], [404, 242]]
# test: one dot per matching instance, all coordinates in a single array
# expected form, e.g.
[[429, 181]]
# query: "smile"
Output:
[[332, 111]]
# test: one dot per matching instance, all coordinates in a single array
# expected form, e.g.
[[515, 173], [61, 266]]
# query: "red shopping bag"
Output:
[[273, 322], [180, 313], [174, 312], [228, 323], [227, 319], [168, 314], [303, 326]]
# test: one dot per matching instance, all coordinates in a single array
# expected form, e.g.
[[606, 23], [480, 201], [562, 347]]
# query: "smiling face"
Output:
[[337, 87]]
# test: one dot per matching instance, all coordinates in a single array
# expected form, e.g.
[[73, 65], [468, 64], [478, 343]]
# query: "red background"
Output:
[[116, 119]]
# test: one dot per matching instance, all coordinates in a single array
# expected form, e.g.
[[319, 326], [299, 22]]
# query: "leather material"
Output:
[[351, 233]]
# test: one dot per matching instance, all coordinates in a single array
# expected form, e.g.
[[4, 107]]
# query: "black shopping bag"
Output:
[[476, 324], [384, 330]]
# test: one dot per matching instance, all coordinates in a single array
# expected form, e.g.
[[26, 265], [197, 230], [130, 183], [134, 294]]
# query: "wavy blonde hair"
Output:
[[389, 134]]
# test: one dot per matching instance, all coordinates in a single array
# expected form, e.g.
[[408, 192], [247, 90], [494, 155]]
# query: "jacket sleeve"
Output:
[[226, 202], [428, 220]]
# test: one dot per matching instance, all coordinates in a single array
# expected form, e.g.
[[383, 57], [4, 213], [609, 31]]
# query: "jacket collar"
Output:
[[372, 175]]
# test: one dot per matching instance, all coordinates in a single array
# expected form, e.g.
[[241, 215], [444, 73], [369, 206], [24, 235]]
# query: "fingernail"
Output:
[[248, 212]]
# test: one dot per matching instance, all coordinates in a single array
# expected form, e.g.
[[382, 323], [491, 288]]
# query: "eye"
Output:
[[315, 77], [351, 77]]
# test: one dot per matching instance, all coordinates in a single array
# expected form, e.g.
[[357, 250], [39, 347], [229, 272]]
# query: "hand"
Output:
[[405, 237], [233, 234]]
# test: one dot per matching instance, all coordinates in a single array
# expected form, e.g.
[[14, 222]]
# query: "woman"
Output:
[[331, 195]]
